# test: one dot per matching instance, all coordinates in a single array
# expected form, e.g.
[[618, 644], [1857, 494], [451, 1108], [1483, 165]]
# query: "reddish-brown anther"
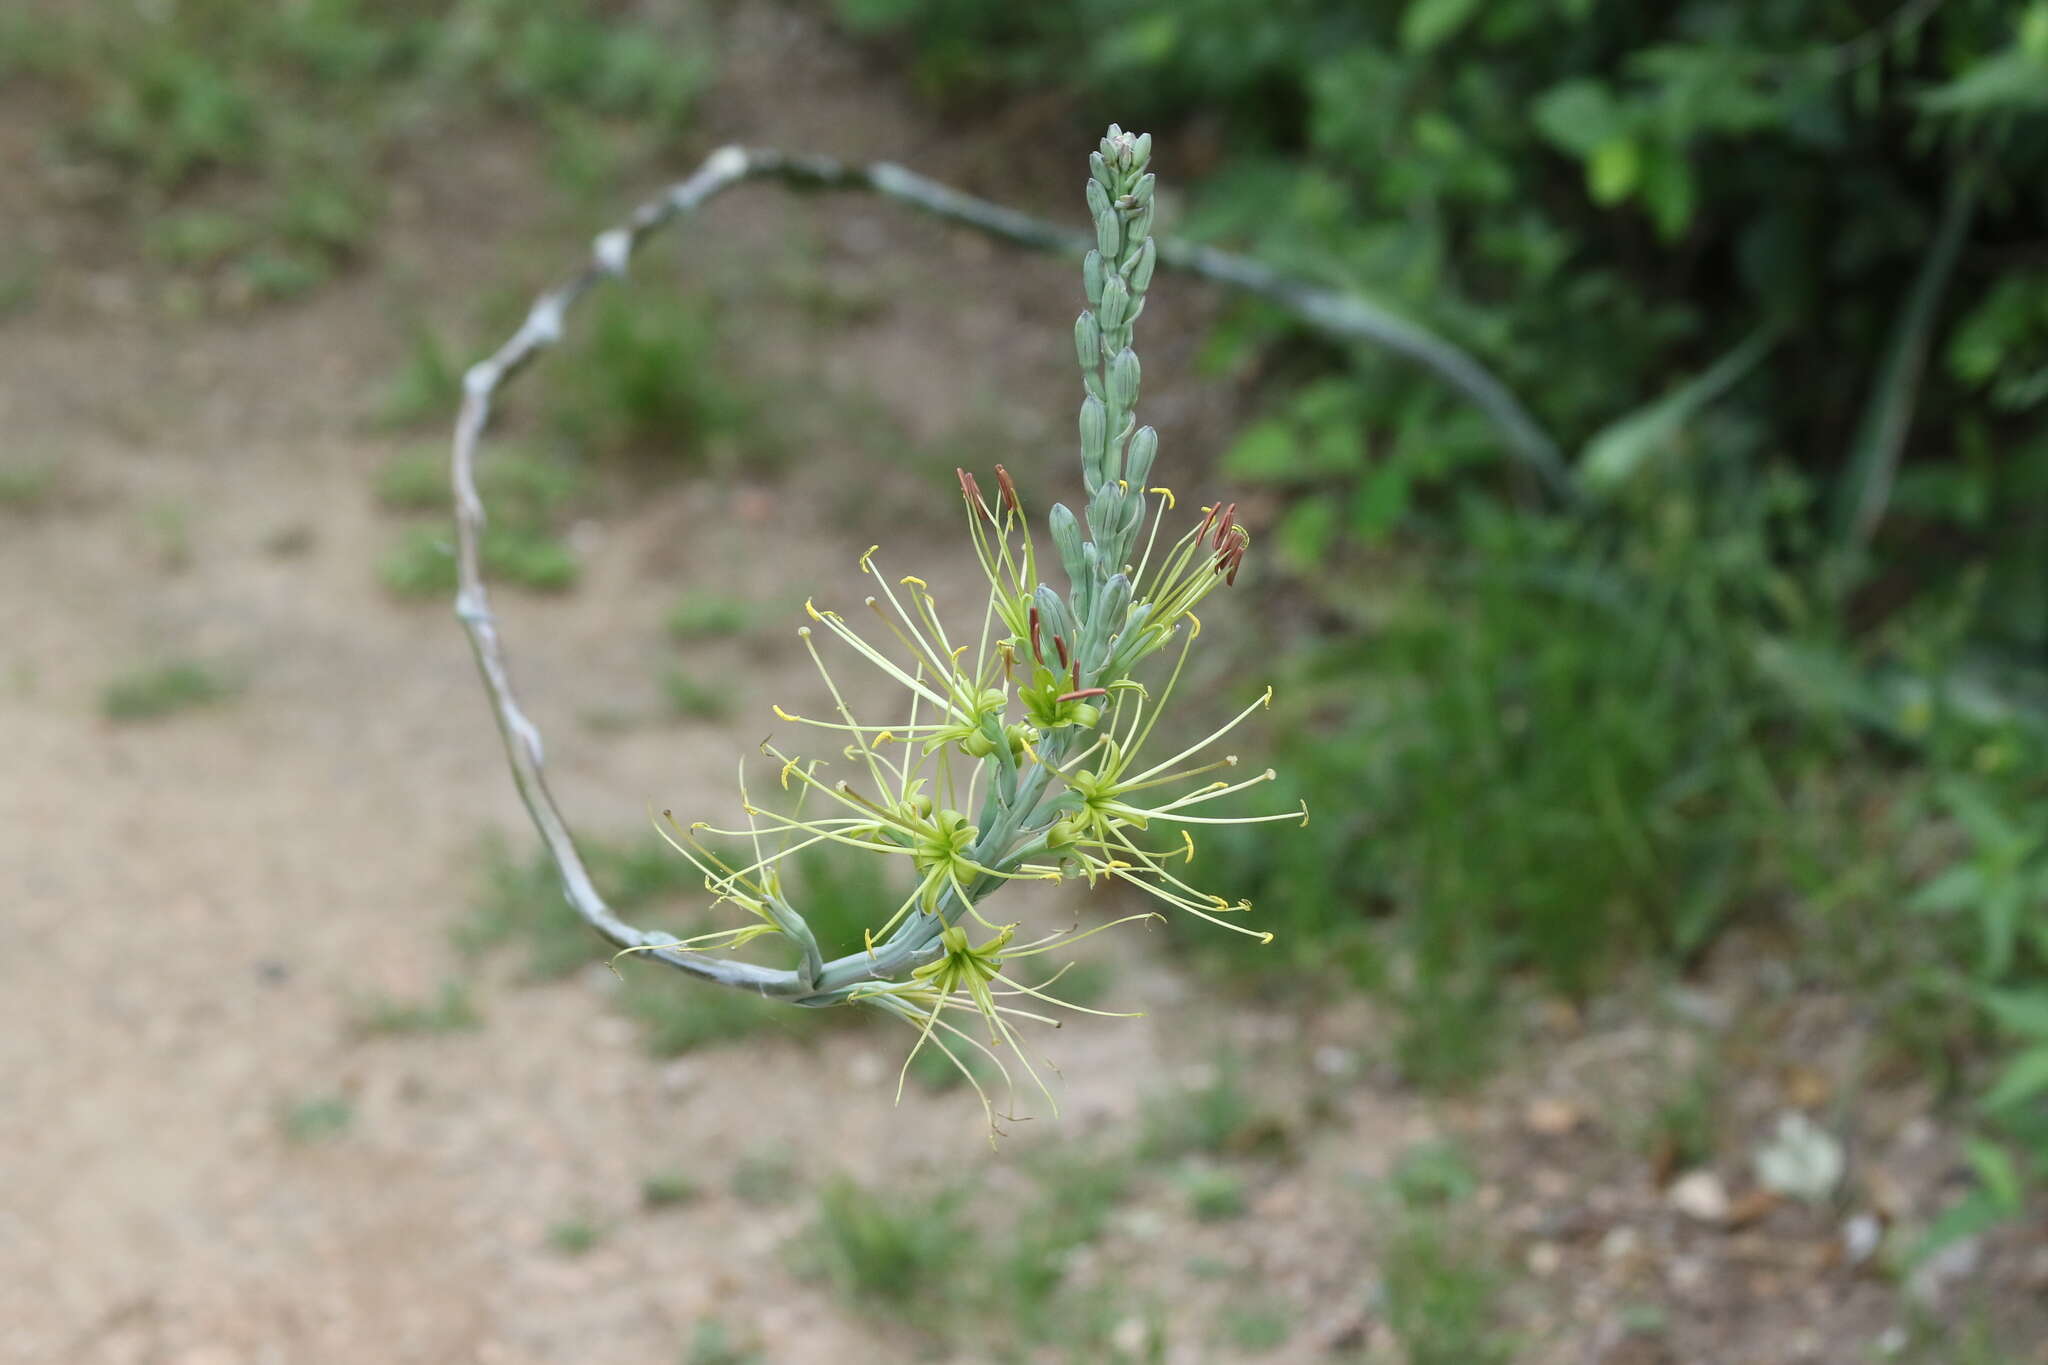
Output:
[[1009, 490], [1208, 520], [968, 486], [1037, 651], [1082, 694], [1228, 562], [1060, 647], [1223, 526]]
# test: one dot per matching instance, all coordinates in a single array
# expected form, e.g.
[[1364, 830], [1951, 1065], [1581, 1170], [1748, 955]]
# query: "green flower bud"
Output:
[[1115, 303], [1139, 229], [1087, 341], [1140, 271], [1123, 378], [1094, 438], [1092, 277], [1109, 233], [1138, 460], [1098, 199], [1066, 538]]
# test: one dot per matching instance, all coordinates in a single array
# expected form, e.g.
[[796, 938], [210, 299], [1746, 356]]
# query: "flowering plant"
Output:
[[1023, 750]]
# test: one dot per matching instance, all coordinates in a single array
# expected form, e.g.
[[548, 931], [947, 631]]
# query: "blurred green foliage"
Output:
[[1773, 271], [250, 143], [159, 690]]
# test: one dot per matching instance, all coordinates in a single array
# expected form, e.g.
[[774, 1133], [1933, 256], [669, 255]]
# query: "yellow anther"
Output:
[[865, 566], [782, 714], [787, 769], [811, 610], [1163, 491], [1195, 628], [912, 579]]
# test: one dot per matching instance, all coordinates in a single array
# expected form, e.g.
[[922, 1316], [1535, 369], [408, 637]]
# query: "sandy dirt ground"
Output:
[[195, 908]]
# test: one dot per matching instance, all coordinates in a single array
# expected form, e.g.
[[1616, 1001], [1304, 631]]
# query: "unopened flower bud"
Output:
[[1109, 233], [1087, 341], [1123, 379]]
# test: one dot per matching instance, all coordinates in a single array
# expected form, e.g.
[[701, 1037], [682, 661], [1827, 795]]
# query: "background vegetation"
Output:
[[1777, 650], [1761, 677]]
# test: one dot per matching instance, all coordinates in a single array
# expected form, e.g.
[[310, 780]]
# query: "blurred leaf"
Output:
[[1881, 434], [1380, 502], [1306, 534], [2023, 1012], [1617, 451], [1956, 888], [1580, 116], [1264, 453], [1615, 170], [1996, 1173], [2012, 81], [1429, 23], [2024, 1078]]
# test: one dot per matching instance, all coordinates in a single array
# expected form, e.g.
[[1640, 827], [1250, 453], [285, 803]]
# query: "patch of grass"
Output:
[[679, 1015], [1433, 1175], [712, 1344], [843, 894], [765, 1178], [1214, 1195], [1084, 982], [522, 903], [574, 1236], [1076, 1192], [196, 238], [693, 700], [1212, 1119], [427, 384], [160, 690], [645, 377], [1440, 1296], [933, 1071], [668, 1189], [277, 275], [450, 1011], [708, 616], [415, 481], [554, 53], [889, 1250], [422, 563], [527, 497], [1254, 1327], [318, 1119], [1681, 1127], [285, 106], [27, 487]]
